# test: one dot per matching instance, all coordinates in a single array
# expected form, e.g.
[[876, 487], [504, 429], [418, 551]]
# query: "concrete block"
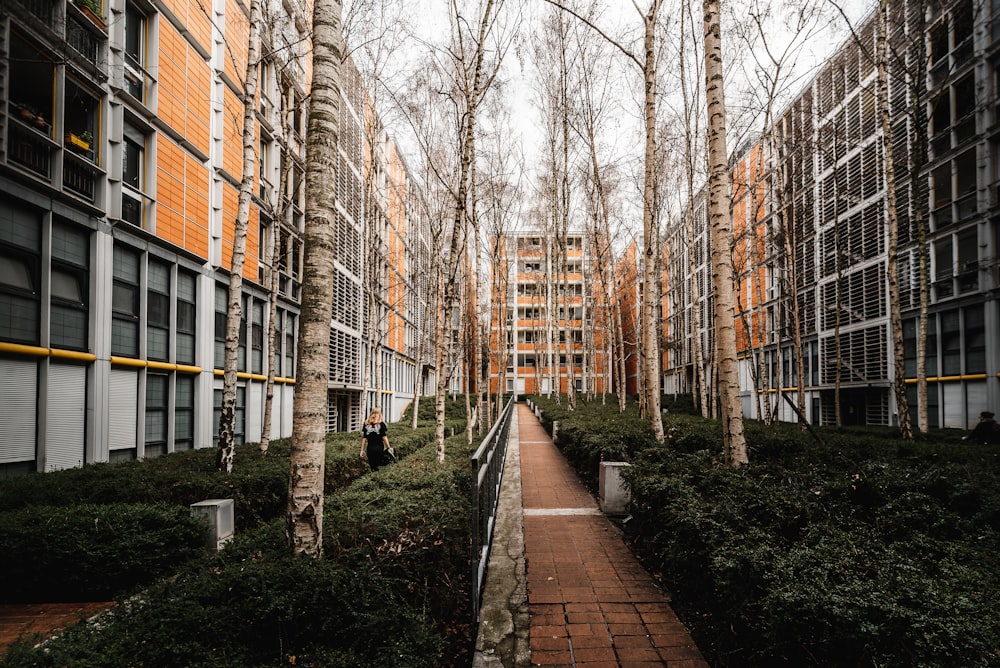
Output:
[[218, 513], [614, 495]]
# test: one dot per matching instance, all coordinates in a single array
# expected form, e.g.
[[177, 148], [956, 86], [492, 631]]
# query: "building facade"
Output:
[[540, 354], [812, 254], [120, 167]]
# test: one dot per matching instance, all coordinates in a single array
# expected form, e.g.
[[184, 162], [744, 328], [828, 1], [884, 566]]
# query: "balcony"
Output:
[[80, 176], [30, 144], [80, 35]]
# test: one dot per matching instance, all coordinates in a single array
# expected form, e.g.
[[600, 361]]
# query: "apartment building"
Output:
[[544, 354], [120, 164], [809, 205]]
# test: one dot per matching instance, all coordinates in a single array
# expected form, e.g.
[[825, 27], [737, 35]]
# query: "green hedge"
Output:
[[92, 552], [393, 588], [861, 549]]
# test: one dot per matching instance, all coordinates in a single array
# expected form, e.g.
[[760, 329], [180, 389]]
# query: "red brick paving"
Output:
[[17, 620], [591, 602]]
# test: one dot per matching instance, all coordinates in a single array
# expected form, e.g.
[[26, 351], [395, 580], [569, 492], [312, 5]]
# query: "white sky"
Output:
[[427, 19]]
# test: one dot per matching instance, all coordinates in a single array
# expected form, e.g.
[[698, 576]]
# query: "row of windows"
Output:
[[284, 340], [30, 296], [45, 287]]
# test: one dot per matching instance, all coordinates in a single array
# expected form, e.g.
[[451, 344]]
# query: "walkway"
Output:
[[590, 601], [25, 620]]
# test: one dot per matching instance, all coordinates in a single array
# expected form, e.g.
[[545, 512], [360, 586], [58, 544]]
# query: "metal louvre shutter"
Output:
[[65, 422], [123, 412], [18, 407], [954, 405]]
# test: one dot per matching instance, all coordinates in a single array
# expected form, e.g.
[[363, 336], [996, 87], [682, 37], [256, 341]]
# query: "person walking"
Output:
[[375, 440]]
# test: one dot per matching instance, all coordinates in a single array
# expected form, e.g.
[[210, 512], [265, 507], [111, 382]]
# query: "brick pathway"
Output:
[[591, 602], [17, 620]]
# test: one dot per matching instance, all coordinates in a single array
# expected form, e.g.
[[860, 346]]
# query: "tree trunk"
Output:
[[722, 242], [308, 454], [650, 298], [892, 221], [234, 312]]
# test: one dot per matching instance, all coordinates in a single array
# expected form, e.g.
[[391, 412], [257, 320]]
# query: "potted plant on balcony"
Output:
[[80, 142], [92, 9]]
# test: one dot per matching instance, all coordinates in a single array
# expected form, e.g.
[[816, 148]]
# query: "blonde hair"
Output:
[[375, 416]]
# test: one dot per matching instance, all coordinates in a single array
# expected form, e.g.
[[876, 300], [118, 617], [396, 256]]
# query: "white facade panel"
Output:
[[123, 409], [953, 402], [65, 417], [18, 397]]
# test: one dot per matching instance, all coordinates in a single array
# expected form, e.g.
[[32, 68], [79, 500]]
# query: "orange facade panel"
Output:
[[196, 20], [182, 200], [237, 28], [184, 98], [232, 134]]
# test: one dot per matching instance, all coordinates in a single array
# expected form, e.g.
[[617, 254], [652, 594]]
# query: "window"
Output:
[[951, 344], [31, 82], [68, 322], [125, 303], [186, 311], [80, 119], [184, 413], [133, 174], [975, 339], [257, 338], [968, 261], [221, 297], [158, 311], [289, 352], [155, 443], [135, 52], [20, 250]]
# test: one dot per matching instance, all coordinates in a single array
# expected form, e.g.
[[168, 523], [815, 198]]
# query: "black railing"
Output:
[[487, 471]]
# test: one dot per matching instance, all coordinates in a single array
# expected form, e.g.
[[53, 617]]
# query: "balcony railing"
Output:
[[80, 176], [82, 38], [29, 147]]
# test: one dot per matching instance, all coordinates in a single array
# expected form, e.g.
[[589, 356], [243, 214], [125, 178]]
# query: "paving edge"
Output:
[[504, 621]]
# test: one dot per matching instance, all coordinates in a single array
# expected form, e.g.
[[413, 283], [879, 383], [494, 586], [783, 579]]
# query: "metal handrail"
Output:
[[487, 472]]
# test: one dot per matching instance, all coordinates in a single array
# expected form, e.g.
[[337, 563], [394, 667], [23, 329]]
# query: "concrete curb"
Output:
[[503, 618]]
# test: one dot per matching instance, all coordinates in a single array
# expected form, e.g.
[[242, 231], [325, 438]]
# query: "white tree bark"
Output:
[[722, 242], [308, 455]]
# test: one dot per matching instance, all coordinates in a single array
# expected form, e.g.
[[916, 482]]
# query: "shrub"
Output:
[[254, 605], [92, 552]]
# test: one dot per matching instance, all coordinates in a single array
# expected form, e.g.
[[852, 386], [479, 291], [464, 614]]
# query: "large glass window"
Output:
[[157, 394], [135, 51], [69, 287], [158, 311], [257, 338], [184, 413], [133, 174], [975, 339], [20, 250], [186, 315], [221, 298], [951, 344], [81, 120], [125, 303]]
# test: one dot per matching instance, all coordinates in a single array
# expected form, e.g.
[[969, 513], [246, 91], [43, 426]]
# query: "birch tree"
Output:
[[892, 221], [234, 310], [308, 453], [648, 312], [735, 453]]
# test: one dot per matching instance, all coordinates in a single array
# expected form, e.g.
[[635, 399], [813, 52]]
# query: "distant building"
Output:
[[539, 354]]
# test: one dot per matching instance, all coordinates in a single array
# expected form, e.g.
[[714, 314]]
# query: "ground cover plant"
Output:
[[392, 588], [856, 549]]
